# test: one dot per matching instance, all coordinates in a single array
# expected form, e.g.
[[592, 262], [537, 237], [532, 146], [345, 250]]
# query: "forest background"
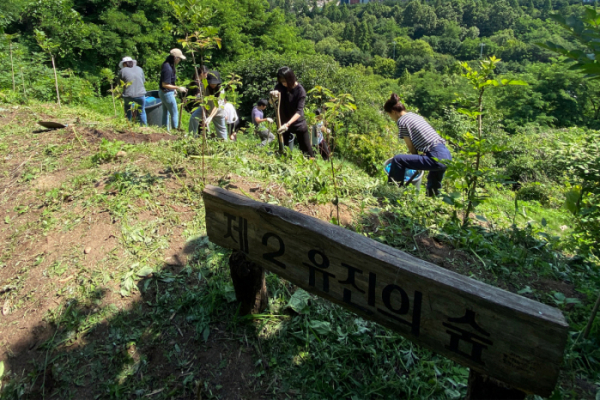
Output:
[[542, 134]]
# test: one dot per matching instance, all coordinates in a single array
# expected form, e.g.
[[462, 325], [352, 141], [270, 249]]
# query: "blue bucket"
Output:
[[407, 174]]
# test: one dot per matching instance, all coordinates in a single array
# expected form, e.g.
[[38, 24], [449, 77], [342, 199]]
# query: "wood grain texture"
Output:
[[513, 339]]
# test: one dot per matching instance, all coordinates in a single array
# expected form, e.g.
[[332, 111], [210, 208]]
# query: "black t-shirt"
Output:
[[168, 76], [292, 102]]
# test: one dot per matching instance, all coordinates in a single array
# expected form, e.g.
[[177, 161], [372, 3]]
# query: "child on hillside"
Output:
[[258, 118]]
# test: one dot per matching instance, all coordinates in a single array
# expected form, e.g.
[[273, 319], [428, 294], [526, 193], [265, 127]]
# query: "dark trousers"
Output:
[[401, 162], [301, 132], [323, 150]]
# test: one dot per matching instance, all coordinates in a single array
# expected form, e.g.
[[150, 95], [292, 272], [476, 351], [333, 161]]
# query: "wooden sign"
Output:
[[513, 339]]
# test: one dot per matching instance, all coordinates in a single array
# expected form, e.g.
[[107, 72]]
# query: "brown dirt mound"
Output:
[[96, 135]]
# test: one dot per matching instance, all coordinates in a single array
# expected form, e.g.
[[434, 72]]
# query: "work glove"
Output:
[[270, 120], [282, 128], [182, 89], [207, 123], [275, 93]]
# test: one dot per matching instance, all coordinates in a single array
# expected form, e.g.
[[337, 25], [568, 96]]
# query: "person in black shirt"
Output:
[[167, 89], [292, 98]]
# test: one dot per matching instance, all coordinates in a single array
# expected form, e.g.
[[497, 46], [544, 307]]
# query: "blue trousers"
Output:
[[218, 120], [422, 163], [169, 109], [141, 113]]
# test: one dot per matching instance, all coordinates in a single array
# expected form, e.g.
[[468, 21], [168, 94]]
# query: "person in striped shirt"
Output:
[[426, 147]]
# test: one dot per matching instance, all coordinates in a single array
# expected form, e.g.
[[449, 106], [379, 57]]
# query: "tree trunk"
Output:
[[12, 66], [249, 284], [56, 82], [588, 327], [112, 93], [473, 189], [482, 387], [23, 80]]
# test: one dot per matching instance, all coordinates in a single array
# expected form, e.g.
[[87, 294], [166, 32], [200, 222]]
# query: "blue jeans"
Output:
[[141, 112], [422, 163], [169, 108], [218, 120]]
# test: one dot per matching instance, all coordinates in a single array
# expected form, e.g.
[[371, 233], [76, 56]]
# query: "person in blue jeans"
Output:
[[134, 92], [420, 137], [167, 89]]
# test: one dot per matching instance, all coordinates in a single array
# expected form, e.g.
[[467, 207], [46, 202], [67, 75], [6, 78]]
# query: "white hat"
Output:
[[177, 53], [126, 59]]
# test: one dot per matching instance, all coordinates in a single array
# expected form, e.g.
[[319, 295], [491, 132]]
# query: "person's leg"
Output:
[[127, 107], [304, 141], [195, 120], [266, 136], [324, 150], [288, 140], [401, 162], [435, 177], [142, 102], [165, 109], [220, 127], [172, 102]]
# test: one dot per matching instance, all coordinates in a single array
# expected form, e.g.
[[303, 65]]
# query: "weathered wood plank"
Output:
[[497, 333]]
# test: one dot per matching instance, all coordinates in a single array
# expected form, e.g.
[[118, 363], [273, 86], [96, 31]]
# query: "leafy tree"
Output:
[[421, 18], [49, 47], [9, 39], [363, 36], [109, 76], [586, 31], [334, 107], [385, 67], [468, 170]]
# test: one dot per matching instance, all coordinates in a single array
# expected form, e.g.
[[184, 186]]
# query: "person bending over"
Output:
[[291, 111], [232, 120], [167, 89], [214, 109], [135, 92], [419, 137], [318, 137], [258, 119], [196, 93]]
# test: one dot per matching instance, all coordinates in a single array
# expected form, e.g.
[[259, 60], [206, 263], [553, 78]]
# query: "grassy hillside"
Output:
[[110, 288]]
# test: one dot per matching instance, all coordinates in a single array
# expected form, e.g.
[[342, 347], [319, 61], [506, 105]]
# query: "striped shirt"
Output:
[[421, 134]]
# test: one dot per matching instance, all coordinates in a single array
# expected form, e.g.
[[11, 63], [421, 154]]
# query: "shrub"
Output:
[[534, 191], [108, 151]]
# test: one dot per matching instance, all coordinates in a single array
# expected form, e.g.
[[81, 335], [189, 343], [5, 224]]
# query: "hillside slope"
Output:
[[110, 288]]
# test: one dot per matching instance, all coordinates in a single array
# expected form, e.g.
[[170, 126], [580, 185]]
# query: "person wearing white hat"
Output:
[[134, 92], [167, 89]]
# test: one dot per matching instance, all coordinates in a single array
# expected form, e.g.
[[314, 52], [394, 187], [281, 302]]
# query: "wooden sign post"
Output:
[[514, 340]]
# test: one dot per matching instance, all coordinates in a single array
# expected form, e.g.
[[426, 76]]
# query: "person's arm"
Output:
[[212, 114], [410, 145], [259, 120], [173, 87]]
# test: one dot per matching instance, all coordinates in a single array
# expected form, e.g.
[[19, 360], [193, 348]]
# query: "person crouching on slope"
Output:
[[292, 97], [419, 137], [258, 118]]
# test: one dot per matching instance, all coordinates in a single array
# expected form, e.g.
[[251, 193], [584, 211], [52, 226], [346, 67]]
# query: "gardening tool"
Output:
[[52, 125], [184, 100], [279, 135]]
